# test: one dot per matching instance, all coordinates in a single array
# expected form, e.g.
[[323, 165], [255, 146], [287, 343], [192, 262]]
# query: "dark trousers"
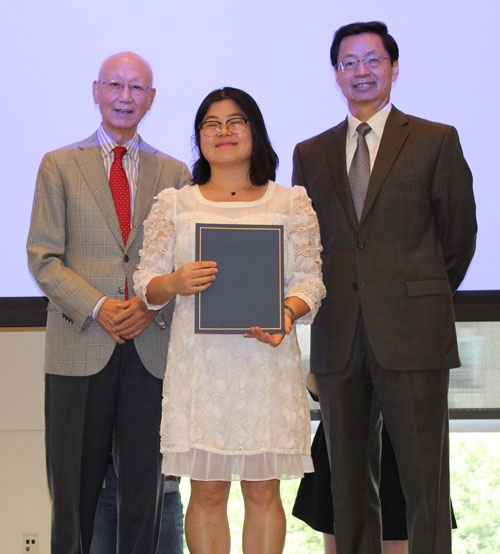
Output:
[[118, 408], [414, 406], [171, 528]]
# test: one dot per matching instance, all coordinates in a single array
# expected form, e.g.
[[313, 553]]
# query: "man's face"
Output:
[[366, 88], [123, 94]]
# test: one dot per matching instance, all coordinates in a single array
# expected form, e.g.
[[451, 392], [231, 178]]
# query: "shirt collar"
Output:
[[107, 145], [377, 122]]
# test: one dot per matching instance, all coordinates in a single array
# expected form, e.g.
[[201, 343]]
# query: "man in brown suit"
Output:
[[105, 352], [394, 253]]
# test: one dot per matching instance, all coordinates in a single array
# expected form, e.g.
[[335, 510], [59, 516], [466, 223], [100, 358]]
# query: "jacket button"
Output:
[[121, 290], [355, 285], [126, 258], [361, 244]]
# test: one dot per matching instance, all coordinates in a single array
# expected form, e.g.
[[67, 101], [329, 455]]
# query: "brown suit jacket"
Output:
[[401, 264]]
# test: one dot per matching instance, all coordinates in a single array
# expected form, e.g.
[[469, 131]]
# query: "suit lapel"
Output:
[[91, 165], [395, 134], [338, 169], [146, 189]]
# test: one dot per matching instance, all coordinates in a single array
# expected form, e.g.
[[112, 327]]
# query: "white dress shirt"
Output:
[[377, 123]]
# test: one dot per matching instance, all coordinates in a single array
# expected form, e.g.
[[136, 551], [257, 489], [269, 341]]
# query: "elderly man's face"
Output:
[[124, 94], [364, 86]]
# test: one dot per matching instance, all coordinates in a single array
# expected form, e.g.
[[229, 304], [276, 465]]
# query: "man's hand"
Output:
[[124, 319]]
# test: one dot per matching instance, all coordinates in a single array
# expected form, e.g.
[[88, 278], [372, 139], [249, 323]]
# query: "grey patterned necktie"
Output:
[[359, 172]]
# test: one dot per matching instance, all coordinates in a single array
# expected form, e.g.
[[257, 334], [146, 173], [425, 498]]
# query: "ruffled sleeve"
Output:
[[157, 253], [304, 260]]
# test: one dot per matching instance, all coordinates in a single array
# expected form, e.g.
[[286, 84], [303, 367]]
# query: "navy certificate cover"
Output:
[[249, 288]]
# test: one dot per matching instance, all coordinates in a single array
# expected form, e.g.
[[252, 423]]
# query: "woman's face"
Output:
[[226, 147]]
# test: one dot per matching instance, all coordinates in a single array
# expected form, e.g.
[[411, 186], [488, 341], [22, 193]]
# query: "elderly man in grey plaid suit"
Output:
[[105, 352]]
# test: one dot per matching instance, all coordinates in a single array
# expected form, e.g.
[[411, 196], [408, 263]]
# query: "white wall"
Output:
[[277, 51], [24, 498]]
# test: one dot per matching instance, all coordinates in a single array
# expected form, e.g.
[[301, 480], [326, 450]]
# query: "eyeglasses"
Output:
[[115, 87], [373, 62], [234, 125]]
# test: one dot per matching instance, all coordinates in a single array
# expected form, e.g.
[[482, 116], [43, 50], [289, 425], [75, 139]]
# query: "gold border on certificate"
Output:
[[239, 227]]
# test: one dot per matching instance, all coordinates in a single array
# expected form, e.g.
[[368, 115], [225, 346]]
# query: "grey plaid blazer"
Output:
[[76, 253]]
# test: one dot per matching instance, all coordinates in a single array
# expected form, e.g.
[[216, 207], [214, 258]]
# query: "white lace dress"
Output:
[[233, 408]]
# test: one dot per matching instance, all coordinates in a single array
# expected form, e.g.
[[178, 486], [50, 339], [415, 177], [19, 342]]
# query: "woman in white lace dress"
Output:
[[234, 406]]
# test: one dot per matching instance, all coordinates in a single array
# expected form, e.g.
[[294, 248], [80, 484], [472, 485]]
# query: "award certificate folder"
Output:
[[249, 286]]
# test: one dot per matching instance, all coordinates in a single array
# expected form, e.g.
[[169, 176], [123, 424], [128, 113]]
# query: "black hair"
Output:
[[264, 160], [376, 27]]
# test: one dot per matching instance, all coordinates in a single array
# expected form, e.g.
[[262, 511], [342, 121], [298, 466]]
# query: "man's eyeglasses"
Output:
[[115, 87], [345, 66], [234, 125]]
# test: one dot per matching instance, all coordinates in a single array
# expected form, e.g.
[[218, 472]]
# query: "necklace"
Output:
[[247, 187]]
